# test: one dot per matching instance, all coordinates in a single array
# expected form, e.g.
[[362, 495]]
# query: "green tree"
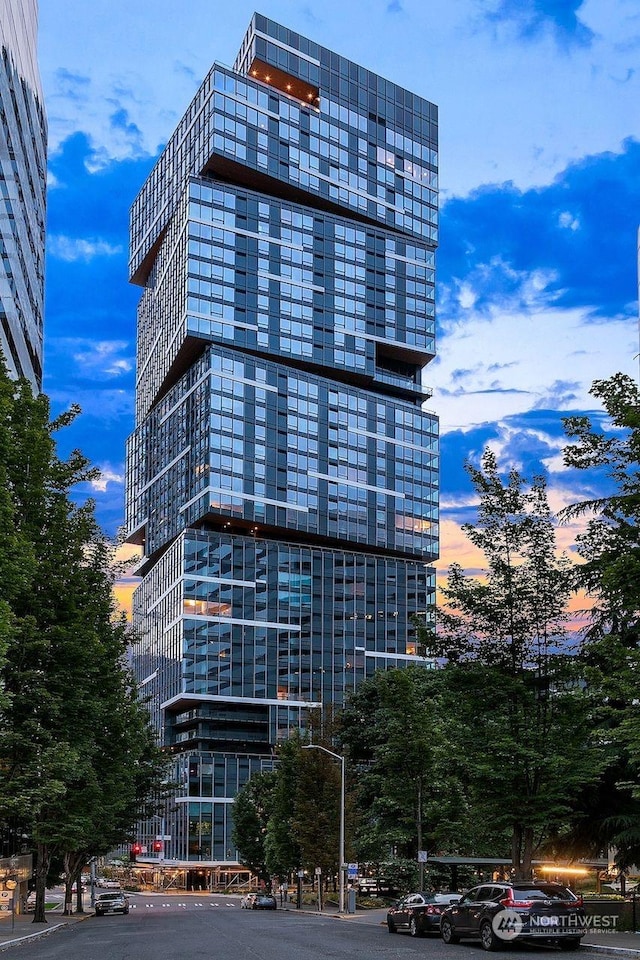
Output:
[[282, 848], [123, 770], [251, 811], [610, 546], [63, 678], [607, 445], [17, 563], [410, 796], [317, 812], [504, 637]]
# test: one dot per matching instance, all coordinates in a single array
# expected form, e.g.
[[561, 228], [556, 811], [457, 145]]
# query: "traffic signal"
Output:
[[134, 851], [157, 846]]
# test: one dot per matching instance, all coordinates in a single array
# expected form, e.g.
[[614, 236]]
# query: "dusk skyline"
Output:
[[539, 185]]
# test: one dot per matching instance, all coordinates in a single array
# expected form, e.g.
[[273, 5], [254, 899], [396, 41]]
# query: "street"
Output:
[[194, 928]]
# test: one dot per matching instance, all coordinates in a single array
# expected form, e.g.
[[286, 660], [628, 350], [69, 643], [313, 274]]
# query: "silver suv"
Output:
[[111, 901]]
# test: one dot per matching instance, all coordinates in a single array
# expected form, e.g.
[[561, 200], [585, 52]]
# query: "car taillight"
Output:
[[432, 909], [510, 902]]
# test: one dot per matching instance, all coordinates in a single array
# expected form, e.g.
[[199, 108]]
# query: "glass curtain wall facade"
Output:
[[282, 478], [23, 162]]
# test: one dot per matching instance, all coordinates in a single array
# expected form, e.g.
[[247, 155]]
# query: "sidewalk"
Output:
[[25, 929], [617, 944]]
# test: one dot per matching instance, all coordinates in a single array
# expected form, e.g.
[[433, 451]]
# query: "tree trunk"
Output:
[[527, 854], [516, 848], [79, 896], [73, 863], [42, 868], [419, 830], [68, 895]]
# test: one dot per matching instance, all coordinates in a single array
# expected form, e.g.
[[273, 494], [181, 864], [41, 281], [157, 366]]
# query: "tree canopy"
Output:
[[77, 754], [607, 445], [510, 667]]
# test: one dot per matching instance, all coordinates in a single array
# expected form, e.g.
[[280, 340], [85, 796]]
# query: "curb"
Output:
[[36, 934], [307, 912], [32, 936], [612, 951]]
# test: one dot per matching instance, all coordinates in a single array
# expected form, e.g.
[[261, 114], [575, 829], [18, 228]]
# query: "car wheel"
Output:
[[392, 927], [446, 932], [414, 928], [571, 943], [488, 939]]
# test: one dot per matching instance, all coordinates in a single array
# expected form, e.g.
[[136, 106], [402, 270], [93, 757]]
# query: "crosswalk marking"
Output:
[[184, 904]]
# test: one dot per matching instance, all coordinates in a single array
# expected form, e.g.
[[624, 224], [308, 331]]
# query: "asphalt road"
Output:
[[215, 928]]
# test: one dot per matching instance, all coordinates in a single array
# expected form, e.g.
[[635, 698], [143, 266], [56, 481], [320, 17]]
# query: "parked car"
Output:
[[111, 901], [246, 902], [495, 913], [265, 901], [419, 913]]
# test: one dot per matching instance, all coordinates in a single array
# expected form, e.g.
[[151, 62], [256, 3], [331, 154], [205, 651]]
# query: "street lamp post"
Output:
[[337, 756]]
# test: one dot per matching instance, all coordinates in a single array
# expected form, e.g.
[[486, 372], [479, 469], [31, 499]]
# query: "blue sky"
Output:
[[540, 202]]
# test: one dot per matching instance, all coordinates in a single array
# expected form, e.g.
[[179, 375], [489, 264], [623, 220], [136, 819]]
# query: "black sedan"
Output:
[[419, 913], [497, 913], [264, 901]]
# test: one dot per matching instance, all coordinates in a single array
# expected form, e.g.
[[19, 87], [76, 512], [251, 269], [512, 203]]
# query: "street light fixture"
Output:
[[341, 864]]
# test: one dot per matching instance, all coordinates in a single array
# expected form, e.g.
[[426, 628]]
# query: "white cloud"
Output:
[[509, 109], [80, 248], [108, 475], [466, 296], [103, 405], [568, 221], [100, 357], [510, 440], [457, 501], [119, 367], [545, 357], [526, 289]]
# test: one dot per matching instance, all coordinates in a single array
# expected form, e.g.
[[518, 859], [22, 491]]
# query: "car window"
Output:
[[543, 891], [470, 896], [484, 893], [494, 893]]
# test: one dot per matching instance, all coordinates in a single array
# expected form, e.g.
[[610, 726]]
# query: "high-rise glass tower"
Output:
[[282, 478], [23, 162]]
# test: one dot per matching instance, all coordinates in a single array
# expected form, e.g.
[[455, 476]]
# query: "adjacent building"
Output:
[[23, 160], [282, 478]]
